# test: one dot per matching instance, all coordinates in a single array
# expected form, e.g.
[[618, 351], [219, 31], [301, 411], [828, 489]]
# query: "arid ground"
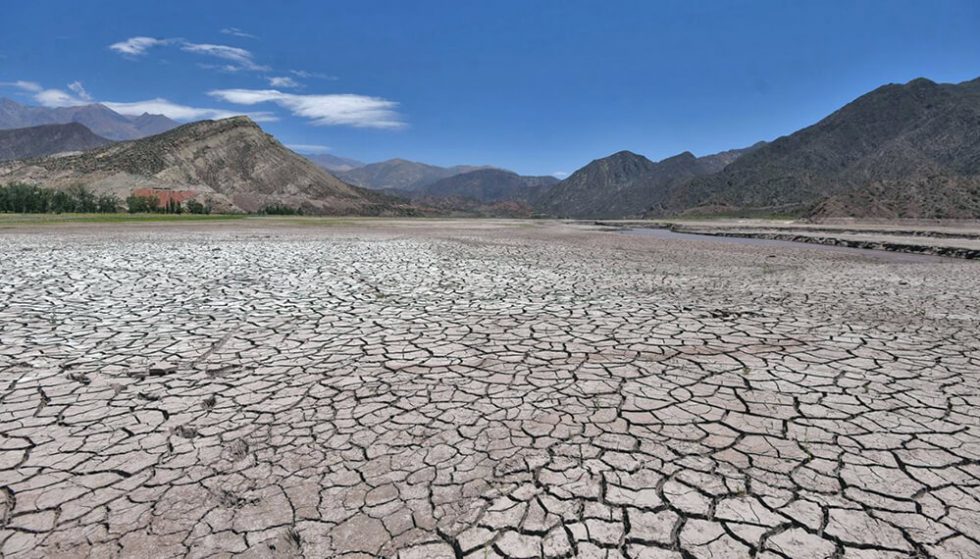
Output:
[[429, 389]]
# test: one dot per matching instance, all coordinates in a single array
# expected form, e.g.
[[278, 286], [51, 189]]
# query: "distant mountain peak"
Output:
[[625, 184], [401, 174], [98, 118], [624, 154], [47, 139]]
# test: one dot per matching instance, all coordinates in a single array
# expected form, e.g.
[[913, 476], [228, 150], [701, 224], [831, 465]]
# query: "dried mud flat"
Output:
[[481, 389]]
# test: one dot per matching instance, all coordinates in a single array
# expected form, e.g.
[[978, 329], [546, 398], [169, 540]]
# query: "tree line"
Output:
[[18, 197]]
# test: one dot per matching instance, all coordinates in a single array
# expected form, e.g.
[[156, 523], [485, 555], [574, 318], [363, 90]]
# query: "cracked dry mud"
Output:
[[510, 391]]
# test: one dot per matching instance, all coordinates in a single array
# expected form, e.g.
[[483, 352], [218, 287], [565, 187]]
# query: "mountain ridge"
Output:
[[402, 174], [900, 150], [98, 118], [47, 139], [232, 163], [626, 184]]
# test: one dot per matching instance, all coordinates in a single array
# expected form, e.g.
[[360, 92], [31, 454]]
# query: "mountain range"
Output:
[[902, 150], [333, 163], [98, 118], [626, 184], [48, 139], [402, 175], [231, 164], [484, 192]]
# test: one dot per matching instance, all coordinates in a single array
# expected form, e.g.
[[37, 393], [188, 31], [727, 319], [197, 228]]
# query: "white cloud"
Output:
[[59, 97], [177, 111], [282, 81], [54, 97], [236, 32], [33, 87], [137, 46], [348, 109], [309, 148], [79, 90], [559, 174], [305, 74], [241, 59]]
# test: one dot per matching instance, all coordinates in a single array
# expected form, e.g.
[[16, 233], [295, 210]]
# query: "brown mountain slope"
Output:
[[910, 150], [489, 186], [39, 141], [400, 174], [230, 162], [626, 184]]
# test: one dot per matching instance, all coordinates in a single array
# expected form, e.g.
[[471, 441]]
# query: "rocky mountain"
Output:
[[626, 184], [402, 175], [230, 163], [151, 125], [902, 150], [489, 186], [49, 139], [481, 193], [100, 119], [333, 163]]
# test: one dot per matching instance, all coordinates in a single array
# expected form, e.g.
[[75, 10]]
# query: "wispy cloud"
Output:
[[78, 89], [177, 111], [77, 95], [237, 58], [282, 81], [32, 87], [240, 58], [236, 32], [58, 98], [137, 46], [307, 75], [359, 111], [559, 174], [309, 148]]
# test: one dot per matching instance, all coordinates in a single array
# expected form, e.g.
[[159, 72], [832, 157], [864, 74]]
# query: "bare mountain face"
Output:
[[49, 139], [100, 119], [402, 175], [484, 192], [489, 186], [910, 150], [333, 163], [231, 163], [626, 184]]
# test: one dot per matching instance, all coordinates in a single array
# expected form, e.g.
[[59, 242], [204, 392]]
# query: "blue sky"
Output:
[[540, 87]]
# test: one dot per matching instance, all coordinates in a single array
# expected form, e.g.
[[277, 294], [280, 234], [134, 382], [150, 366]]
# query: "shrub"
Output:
[[195, 207], [280, 209], [142, 204]]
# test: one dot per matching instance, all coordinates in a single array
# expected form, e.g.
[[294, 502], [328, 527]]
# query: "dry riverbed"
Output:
[[427, 389]]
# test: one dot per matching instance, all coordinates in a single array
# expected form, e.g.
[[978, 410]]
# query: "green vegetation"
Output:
[[195, 207], [151, 204], [143, 204], [280, 209], [20, 197], [23, 198]]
